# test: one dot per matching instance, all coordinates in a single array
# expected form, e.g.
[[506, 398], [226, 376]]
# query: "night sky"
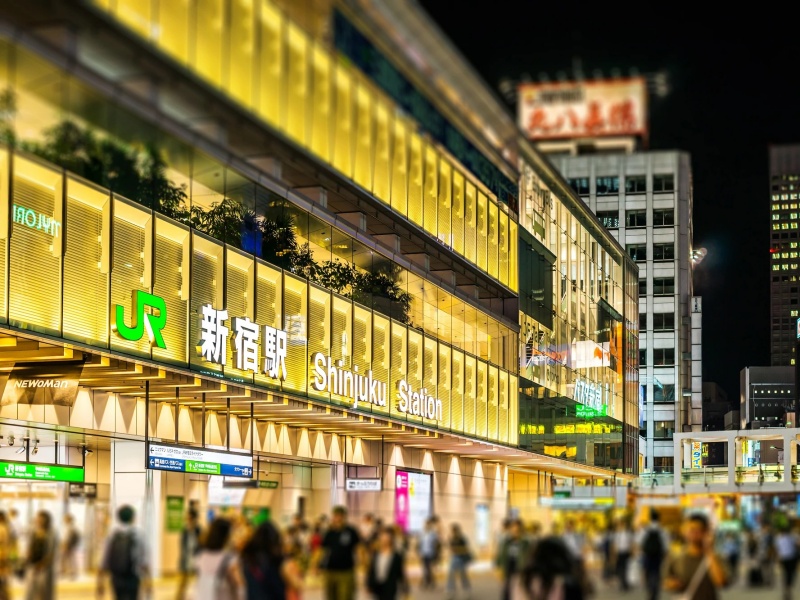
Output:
[[733, 92]]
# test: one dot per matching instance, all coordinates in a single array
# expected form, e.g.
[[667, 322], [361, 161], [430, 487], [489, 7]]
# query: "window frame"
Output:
[[661, 354], [636, 189], [612, 190], [660, 321], [661, 280], [658, 217], [662, 179], [640, 218], [662, 247], [607, 214], [642, 247], [578, 189]]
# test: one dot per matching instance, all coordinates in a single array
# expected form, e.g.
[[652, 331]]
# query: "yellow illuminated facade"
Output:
[[108, 247], [251, 52]]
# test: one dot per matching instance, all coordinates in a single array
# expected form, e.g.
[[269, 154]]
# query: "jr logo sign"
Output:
[[152, 322]]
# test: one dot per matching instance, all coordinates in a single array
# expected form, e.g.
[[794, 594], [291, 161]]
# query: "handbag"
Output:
[[694, 583]]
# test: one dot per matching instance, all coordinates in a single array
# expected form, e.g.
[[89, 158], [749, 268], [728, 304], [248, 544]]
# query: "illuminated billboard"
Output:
[[577, 109]]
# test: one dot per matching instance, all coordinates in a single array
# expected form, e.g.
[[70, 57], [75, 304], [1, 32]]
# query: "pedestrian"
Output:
[[623, 549], [386, 575], [340, 545], [460, 557], [510, 556], [293, 569], [6, 564], [262, 564], [189, 548], [40, 561], [731, 551], [786, 551], [125, 560], [550, 572], [69, 548], [216, 565], [429, 551], [697, 572], [607, 552], [654, 547], [573, 539]]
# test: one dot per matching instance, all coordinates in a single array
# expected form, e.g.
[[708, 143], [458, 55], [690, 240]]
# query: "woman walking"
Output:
[[460, 557], [218, 576], [41, 559], [262, 564], [386, 578]]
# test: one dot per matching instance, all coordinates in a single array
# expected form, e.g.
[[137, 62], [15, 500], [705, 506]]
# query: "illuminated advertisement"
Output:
[[697, 455], [412, 500], [587, 354], [575, 109]]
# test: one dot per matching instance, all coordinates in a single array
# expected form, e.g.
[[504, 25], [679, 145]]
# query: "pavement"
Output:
[[485, 586]]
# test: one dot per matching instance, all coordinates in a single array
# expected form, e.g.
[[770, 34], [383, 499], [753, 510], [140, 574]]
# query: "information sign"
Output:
[[39, 472], [184, 459]]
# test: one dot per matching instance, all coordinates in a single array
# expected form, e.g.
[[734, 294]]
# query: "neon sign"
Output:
[[590, 395], [152, 322], [36, 220]]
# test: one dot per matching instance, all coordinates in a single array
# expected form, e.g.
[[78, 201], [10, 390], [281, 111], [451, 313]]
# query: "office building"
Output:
[[766, 397], [302, 246], [715, 406], [784, 188]]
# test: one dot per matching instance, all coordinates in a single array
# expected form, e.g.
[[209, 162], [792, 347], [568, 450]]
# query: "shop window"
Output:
[[636, 218], [663, 183], [609, 219], [663, 251], [663, 356], [635, 184], [663, 217], [580, 185], [607, 185], [664, 321], [637, 252]]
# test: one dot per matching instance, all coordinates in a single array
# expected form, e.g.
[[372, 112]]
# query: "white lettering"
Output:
[[333, 378], [419, 404]]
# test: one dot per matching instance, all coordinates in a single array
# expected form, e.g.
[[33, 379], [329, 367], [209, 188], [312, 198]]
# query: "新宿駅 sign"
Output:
[[37, 472], [184, 459]]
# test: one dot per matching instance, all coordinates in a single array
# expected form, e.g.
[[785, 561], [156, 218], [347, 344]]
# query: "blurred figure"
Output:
[[607, 552], [654, 547], [550, 573], [755, 577], [430, 548], [786, 551], [69, 548], [367, 530], [190, 546], [6, 565], [696, 572], [510, 556], [218, 574], [766, 553], [125, 560], [386, 576], [460, 557], [40, 562], [262, 564], [731, 551], [340, 545], [623, 549], [293, 570], [573, 539]]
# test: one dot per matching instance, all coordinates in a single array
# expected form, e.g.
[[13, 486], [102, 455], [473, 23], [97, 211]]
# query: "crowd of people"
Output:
[[232, 558]]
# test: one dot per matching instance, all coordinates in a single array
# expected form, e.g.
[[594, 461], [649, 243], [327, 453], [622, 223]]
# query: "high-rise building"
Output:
[[784, 189], [766, 397], [299, 243], [645, 200]]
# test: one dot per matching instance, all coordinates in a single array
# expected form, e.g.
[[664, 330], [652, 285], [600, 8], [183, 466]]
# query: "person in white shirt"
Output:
[[786, 550], [623, 548]]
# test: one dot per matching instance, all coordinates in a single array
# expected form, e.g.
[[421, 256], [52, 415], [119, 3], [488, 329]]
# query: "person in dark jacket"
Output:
[[386, 576], [511, 555], [190, 546], [262, 564], [551, 571]]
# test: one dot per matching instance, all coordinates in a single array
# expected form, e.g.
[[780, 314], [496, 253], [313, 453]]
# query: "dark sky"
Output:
[[734, 91]]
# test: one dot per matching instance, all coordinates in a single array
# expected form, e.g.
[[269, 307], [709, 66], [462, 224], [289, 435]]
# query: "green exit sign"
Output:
[[268, 485], [12, 470], [205, 468]]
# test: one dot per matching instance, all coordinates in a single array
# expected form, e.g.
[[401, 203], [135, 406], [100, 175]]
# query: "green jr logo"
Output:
[[153, 321]]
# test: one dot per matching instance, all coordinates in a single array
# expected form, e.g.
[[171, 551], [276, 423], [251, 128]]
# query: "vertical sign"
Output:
[[401, 512], [174, 514], [697, 455]]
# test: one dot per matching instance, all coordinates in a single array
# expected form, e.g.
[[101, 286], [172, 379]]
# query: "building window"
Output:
[[663, 183], [663, 356], [664, 286], [607, 185], [663, 430], [664, 321], [637, 252], [663, 251], [635, 184], [580, 185], [642, 287], [663, 464], [642, 356], [642, 321], [609, 218], [664, 392], [663, 217], [636, 218]]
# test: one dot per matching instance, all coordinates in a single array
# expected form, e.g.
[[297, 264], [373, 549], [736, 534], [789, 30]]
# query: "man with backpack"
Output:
[[124, 560], [654, 547]]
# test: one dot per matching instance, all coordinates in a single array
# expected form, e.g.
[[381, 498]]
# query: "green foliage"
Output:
[[278, 241], [222, 220]]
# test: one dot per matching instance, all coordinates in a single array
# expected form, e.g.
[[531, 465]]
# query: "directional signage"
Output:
[[363, 485], [38, 472], [185, 459], [266, 484]]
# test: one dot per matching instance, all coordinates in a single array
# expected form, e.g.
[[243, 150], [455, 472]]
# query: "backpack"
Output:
[[121, 558], [653, 546]]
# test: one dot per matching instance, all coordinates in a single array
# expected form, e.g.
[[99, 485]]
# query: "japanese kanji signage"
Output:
[[185, 459], [562, 110], [214, 335]]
